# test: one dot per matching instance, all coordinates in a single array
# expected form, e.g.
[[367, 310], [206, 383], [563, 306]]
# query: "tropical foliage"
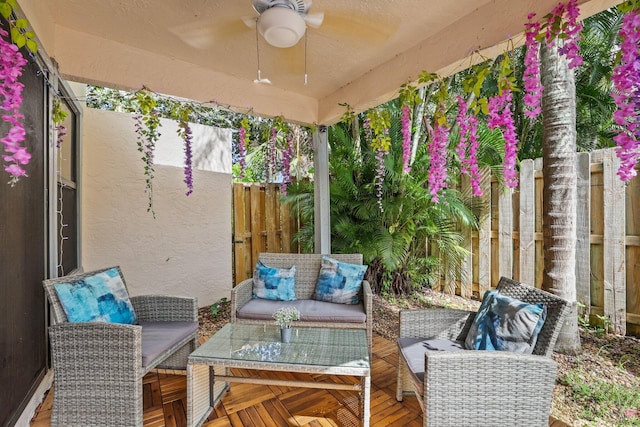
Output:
[[397, 236]]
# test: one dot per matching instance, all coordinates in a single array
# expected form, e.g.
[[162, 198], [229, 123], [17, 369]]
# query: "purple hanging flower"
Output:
[[271, 166], [287, 155], [188, 156], [531, 77], [626, 83], [406, 138], [570, 31], [11, 63], [500, 116], [468, 144], [438, 154]]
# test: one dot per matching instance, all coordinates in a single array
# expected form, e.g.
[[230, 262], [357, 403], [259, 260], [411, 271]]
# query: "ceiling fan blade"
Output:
[[203, 34], [371, 29], [314, 20], [249, 21]]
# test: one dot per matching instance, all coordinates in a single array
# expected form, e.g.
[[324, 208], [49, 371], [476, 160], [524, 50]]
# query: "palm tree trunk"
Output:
[[559, 190]]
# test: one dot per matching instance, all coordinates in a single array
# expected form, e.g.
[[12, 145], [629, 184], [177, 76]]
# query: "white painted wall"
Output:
[[186, 250]]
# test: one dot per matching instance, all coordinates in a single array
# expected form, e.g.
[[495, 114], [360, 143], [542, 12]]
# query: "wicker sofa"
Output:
[[245, 309], [99, 366], [479, 387]]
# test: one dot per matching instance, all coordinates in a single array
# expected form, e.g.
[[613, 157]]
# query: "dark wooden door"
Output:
[[23, 244]]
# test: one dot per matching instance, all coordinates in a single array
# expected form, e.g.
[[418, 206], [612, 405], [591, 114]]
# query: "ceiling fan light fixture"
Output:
[[281, 27]]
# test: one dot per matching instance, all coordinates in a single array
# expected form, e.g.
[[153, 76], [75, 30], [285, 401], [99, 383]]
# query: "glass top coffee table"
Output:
[[311, 350]]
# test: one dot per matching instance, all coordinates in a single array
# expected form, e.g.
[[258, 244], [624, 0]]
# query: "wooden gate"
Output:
[[260, 224]]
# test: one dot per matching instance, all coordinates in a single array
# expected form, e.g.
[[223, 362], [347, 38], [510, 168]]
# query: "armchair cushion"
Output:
[[274, 283], [101, 297], [160, 337], [339, 282], [506, 324], [413, 349]]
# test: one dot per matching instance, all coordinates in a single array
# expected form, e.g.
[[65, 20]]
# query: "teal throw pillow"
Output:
[[98, 298], [339, 282], [506, 324], [272, 283]]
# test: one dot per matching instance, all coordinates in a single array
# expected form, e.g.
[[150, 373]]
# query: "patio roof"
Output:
[[201, 50]]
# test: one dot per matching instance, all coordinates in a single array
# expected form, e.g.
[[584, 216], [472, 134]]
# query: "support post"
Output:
[[322, 239]]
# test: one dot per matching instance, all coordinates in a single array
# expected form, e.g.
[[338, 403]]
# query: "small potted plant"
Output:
[[284, 317]]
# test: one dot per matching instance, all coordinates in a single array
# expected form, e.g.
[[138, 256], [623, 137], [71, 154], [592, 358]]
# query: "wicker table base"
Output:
[[311, 350]]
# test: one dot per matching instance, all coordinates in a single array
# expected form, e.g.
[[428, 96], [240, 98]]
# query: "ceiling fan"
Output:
[[282, 23]]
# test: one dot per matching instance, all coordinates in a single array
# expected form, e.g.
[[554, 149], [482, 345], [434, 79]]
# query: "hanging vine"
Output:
[[379, 122], [147, 124], [182, 113]]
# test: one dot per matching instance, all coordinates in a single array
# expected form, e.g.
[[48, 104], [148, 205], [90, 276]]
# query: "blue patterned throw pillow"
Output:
[[339, 282], [272, 283], [506, 324], [98, 298]]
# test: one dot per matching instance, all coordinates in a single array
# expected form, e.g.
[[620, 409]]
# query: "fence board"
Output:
[[505, 229], [484, 238], [272, 218], [633, 254], [241, 236], [583, 231], [615, 305], [466, 281], [527, 244]]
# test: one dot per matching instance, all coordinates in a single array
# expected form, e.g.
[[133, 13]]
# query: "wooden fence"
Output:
[[510, 240], [260, 224]]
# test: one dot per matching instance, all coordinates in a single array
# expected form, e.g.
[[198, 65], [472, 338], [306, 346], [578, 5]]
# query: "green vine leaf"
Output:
[[32, 46], [18, 39], [5, 10], [348, 115]]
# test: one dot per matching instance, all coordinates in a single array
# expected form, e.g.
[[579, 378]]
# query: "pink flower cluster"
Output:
[[406, 138], [242, 147], [531, 76], [501, 116], [287, 155], [467, 148], [626, 82], [570, 30], [11, 63], [438, 154]]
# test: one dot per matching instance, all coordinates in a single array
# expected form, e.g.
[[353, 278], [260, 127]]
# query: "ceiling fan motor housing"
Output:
[[281, 22], [300, 6]]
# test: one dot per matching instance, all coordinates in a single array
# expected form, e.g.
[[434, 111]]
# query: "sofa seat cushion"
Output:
[[310, 311], [158, 337], [413, 350]]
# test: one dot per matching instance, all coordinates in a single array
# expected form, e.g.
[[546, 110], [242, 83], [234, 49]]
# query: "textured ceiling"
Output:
[[201, 49]]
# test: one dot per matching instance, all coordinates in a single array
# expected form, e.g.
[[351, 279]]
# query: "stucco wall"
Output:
[[186, 249]]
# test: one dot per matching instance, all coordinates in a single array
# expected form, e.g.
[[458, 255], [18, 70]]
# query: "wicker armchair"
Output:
[[98, 367], [482, 388]]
